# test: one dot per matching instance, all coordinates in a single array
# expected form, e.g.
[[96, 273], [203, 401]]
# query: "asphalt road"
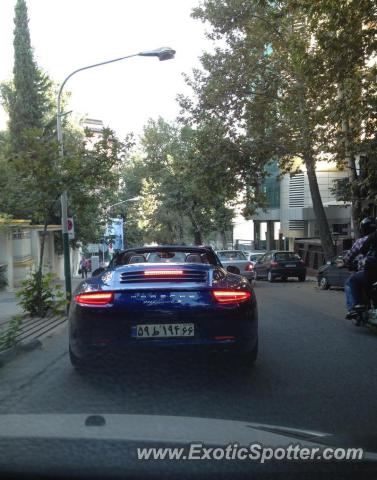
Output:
[[315, 371]]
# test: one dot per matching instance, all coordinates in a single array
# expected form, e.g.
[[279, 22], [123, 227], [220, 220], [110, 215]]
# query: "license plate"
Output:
[[163, 330], [290, 265]]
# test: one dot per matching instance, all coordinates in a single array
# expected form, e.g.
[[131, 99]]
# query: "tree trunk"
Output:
[[198, 236], [40, 268], [319, 211], [180, 232], [355, 196], [310, 163], [223, 239], [356, 206]]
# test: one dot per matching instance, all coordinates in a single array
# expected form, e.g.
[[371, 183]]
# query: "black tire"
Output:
[[255, 278], [270, 277], [79, 364], [247, 358], [356, 321], [251, 357], [302, 278], [284, 279], [323, 283]]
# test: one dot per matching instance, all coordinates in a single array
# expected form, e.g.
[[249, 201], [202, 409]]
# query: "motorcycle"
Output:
[[366, 313]]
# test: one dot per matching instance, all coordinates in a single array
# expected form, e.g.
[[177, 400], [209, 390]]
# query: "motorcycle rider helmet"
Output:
[[367, 226]]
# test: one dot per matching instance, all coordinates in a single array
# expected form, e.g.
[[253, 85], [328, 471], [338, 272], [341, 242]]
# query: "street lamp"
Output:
[[133, 199], [164, 53]]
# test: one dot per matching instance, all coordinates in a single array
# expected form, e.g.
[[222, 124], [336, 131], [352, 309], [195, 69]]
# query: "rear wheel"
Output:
[[323, 283], [302, 278], [255, 277], [270, 277], [247, 358], [284, 279], [79, 364]]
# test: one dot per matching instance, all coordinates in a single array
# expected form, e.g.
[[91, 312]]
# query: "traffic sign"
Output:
[[103, 247], [70, 228], [92, 248]]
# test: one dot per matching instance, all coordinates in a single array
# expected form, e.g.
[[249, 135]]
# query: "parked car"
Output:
[[280, 264], [235, 261], [333, 274], [254, 256]]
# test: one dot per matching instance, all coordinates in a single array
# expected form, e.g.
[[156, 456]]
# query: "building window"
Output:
[[340, 228], [296, 190], [296, 224], [271, 185], [19, 233]]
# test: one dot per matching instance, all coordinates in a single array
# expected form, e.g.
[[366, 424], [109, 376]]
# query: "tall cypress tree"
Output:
[[26, 102]]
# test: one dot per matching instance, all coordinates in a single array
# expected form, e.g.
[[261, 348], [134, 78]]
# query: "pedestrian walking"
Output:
[[84, 268]]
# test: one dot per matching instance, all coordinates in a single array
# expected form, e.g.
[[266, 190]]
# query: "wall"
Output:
[[299, 214]]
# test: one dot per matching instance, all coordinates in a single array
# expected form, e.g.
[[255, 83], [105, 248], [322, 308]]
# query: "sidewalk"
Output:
[[31, 328], [8, 308], [9, 303]]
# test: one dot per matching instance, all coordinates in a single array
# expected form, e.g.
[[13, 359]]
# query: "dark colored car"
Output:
[[333, 274], [280, 264], [163, 297]]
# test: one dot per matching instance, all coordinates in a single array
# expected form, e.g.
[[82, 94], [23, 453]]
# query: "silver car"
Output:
[[254, 256], [237, 261]]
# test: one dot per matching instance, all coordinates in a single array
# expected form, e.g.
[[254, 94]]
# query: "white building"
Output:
[[290, 215], [95, 127], [20, 248]]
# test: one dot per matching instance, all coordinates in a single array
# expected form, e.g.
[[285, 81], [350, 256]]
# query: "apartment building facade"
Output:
[[289, 219]]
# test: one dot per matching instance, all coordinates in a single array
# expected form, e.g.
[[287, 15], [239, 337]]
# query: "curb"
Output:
[[311, 279], [11, 353]]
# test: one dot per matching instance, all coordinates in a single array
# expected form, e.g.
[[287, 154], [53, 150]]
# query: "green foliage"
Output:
[[183, 198], [8, 338], [93, 177], [3, 280], [26, 99], [40, 296], [290, 80], [346, 49]]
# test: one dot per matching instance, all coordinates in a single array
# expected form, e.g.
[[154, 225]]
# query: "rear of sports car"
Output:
[[163, 306]]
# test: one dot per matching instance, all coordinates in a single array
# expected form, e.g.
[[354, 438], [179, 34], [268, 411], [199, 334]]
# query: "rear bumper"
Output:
[[288, 272], [233, 330], [94, 351], [248, 275]]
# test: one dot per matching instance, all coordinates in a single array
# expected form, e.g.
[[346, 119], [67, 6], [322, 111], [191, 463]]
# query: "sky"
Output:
[[70, 34]]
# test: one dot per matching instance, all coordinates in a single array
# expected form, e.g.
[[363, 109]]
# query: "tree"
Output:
[[26, 98], [182, 194], [346, 48], [262, 86], [34, 176], [89, 176]]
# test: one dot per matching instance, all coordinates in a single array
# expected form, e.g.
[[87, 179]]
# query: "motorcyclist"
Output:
[[359, 282], [369, 251]]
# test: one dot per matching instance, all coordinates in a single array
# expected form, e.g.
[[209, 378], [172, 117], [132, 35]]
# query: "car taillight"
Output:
[[249, 267], [95, 298], [231, 296], [274, 264]]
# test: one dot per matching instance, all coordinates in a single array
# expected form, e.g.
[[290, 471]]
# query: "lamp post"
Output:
[[133, 199], [164, 53]]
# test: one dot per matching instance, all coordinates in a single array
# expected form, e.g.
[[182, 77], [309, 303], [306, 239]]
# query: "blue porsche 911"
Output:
[[163, 297]]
